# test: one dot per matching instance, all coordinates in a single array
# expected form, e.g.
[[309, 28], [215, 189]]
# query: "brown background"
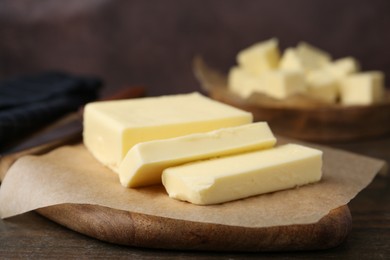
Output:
[[152, 42]]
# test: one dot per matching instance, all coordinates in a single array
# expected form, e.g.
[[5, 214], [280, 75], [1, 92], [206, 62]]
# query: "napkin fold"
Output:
[[30, 102]]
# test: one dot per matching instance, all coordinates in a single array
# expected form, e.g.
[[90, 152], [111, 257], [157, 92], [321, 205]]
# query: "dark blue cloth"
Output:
[[30, 102]]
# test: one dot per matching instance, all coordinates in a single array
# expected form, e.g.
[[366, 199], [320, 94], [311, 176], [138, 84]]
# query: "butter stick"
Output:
[[111, 128], [144, 163], [241, 176]]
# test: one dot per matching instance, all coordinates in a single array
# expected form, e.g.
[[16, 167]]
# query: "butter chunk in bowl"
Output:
[[307, 95]]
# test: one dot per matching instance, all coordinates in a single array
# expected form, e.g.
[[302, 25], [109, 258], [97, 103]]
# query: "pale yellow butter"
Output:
[[312, 58], [111, 128], [280, 84], [304, 57], [322, 85], [241, 176], [144, 163], [343, 67], [260, 57], [362, 88], [243, 83], [291, 61]]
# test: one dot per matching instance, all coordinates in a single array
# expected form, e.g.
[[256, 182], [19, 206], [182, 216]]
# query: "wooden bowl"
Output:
[[299, 116]]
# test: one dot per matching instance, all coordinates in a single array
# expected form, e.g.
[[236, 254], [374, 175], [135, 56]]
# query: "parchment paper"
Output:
[[72, 175]]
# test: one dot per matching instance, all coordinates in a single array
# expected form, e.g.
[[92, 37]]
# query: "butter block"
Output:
[[322, 85], [241, 176], [304, 57], [363, 88], [111, 128], [243, 83], [280, 84], [144, 163], [260, 57], [342, 67], [291, 61], [312, 58]]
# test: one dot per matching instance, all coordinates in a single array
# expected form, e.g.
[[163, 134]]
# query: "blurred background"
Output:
[[152, 43]]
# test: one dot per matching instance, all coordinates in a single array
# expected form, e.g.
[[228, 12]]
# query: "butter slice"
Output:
[[144, 163], [280, 84], [363, 88], [241, 176], [260, 57], [243, 83], [111, 128]]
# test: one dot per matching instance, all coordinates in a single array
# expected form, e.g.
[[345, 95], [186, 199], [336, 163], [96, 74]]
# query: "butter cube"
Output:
[[241, 176], [111, 128], [144, 163], [280, 84], [291, 61], [312, 57], [343, 67], [243, 83], [322, 85], [260, 57], [304, 57], [362, 88]]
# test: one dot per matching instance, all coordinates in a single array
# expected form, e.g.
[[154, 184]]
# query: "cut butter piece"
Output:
[[243, 83], [280, 84], [363, 88], [291, 61], [144, 163], [311, 57], [260, 57], [322, 85], [241, 176], [111, 128], [343, 67]]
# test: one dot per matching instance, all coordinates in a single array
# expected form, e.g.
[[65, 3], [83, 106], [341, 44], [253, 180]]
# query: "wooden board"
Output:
[[299, 116], [140, 230]]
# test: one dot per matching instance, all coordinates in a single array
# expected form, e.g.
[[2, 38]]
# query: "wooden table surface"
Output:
[[32, 236]]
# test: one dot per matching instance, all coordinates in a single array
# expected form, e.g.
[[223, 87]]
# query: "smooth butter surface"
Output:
[[322, 85], [311, 57], [363, 88], [343, 67], [144, 163], [260, 57], [280, 84], [240, 176], [111, 128], [304, 57], [243, 83]]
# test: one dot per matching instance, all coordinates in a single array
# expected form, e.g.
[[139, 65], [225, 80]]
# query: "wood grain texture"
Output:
[[31, 236], [141, 230]]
